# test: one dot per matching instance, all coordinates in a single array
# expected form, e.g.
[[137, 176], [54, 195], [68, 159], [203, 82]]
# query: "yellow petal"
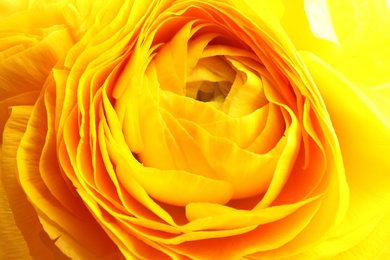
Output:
[[32, 43], [357, 30], [255, 172], [364, 138], [375, 245], [163, 185], [26, 70], [362, 26], [30, 230], [11, 235], [78, 235], [297, 25], [223, 217], [261, 239], [131, 247], [28, 98], [8, 7], [318, 16], [277, 7]]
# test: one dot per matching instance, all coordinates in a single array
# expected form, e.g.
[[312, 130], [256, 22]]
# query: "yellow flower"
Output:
[[195, 129]]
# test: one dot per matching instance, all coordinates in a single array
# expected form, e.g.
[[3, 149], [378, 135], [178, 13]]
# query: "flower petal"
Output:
[[317, 13], [362, 27], [77, 234], [298, 27], [31, 242], [365, 149]]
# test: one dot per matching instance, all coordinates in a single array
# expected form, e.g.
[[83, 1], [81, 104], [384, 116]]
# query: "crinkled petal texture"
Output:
[[33, 40], [195, 130], [29, 48]]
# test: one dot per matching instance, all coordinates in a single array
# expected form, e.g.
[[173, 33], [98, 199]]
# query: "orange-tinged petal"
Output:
[[224, 217], [76, 234], [146, 117], [129, 245], [31, 234], [28, 98], [285, 163], [318, 16], [10, 234], [164, 185], [28, 51], [171, 71], [263, 238]]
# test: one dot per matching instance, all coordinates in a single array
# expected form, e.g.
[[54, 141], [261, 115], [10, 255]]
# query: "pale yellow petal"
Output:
[[363, 28], [318, 16], [277, 7], [365, 147], [298, 27]]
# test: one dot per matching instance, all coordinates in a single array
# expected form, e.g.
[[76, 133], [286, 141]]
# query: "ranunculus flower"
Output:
[[195, 129]]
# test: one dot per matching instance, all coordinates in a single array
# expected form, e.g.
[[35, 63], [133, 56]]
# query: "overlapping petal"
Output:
[[28, 51], [195, 129], [150, 118]]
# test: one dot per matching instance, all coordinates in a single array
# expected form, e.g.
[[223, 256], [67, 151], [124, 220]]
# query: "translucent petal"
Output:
[[361, 52], [317, 13], [297, 25], [363, 28]]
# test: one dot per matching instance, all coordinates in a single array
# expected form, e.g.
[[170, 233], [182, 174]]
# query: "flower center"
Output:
[[210, 80]]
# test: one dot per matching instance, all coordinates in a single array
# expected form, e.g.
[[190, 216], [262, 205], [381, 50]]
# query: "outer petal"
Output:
[[15, 201], [307, 33], [8, 7], [61, 212], [375, 245], [32, 41], [352, 36], [362, 27], [10, 234], [364, 136]]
